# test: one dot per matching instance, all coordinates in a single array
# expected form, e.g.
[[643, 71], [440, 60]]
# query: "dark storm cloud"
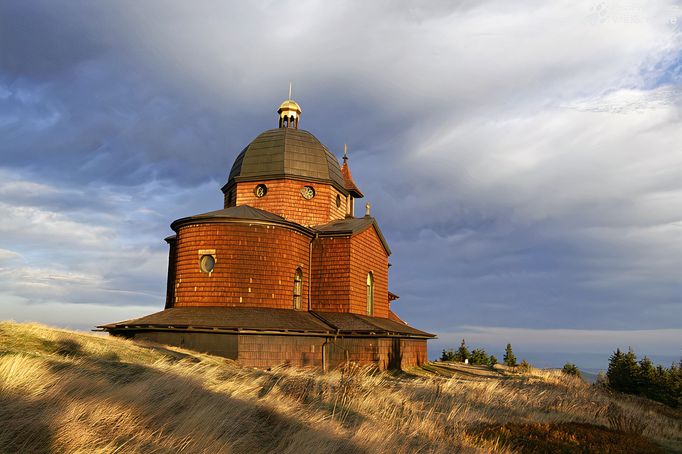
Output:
[[42, 40], [524, 178]]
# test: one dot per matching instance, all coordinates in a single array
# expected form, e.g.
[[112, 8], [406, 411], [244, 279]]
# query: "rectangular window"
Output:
[[298, 288], [370, 294]]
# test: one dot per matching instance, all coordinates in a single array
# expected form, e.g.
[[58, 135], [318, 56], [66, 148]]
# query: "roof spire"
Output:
[[347, 177], [289, 98]]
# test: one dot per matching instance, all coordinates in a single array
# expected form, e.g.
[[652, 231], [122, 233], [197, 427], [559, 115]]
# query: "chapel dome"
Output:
[[287, 153]]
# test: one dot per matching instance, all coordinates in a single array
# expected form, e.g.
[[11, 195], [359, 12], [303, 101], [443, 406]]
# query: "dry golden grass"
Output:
[[62, 391]]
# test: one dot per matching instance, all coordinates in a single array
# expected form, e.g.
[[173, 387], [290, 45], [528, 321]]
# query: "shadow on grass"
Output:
[[26, 425], [566, 437], [320, 395], [162, 402], [167, 352]]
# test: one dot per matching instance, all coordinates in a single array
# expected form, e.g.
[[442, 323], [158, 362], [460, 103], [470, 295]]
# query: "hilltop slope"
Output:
[[63, 391]]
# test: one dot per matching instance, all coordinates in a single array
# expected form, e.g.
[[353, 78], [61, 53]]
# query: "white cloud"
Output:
[[8, 255]]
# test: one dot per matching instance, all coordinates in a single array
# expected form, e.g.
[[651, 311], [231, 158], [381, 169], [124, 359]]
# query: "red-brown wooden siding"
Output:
[[367, 254], [340, 268], [284, 199], [331, 275], [254, 267], [254, 350]]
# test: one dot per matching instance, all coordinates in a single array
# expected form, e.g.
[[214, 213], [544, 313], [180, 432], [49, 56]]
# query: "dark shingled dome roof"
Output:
[[287, 153], [238, 213]]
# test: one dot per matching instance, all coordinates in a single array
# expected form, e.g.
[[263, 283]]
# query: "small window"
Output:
[[298, 288], [370, 293], [308, 192], [260, 190], [207, 263], [338, 201]]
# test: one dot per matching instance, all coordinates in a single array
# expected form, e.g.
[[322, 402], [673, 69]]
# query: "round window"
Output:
[[206, 263], [307, 192], [338, 201], [260, 190]]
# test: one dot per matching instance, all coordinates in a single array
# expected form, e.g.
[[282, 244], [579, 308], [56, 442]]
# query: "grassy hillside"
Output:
[[62, 391]]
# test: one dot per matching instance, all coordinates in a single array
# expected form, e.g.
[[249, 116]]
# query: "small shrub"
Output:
[[601, 380], [479, 357], [571, 369], [448, 355], [524, 367]]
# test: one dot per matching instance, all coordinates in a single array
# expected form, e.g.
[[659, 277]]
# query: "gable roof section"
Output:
[[351, 227]]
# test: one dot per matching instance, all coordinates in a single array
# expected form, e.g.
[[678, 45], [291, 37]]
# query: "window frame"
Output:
[[298, 289], [370, 293]]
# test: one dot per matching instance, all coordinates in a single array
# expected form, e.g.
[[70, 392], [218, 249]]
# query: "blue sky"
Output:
[[524, 162]]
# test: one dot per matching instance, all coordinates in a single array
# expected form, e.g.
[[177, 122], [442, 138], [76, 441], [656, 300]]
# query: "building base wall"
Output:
[[225, 345], [384, 353], [271, 350], [255, 350]]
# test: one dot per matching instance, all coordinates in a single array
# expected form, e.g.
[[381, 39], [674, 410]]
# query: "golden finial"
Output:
[[290, 91]]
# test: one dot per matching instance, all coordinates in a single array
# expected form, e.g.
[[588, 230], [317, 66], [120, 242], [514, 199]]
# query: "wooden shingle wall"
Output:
[[384, 353], [254, 350], [413, 352], [219, 344], [367, 254], [284, 199], [340, 268], [331, 275], [267, 351], [255, 265]]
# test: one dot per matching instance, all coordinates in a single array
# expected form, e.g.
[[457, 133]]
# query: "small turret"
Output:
[[349, 184], [289, 113]]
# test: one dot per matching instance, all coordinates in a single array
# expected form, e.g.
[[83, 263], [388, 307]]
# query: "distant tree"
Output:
[[571, 369], [462, 352], [623, 371], [601, 380], [479, 357], [525, 366], [509, 358], [492, 361], [646, 372], [626, 374], [448, 355]]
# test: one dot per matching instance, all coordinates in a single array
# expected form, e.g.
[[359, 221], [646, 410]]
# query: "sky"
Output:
[[524, 160]]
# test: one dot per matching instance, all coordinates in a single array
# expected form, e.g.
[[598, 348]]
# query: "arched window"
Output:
[[298, 288], [370, 293]]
